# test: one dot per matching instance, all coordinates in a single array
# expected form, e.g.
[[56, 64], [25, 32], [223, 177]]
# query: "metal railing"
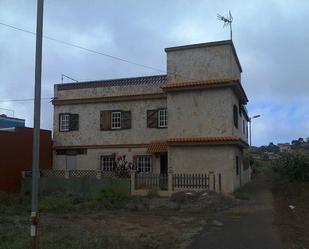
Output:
[[151, 181]]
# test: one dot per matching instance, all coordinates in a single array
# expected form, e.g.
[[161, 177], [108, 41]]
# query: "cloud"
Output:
[[270, 37]]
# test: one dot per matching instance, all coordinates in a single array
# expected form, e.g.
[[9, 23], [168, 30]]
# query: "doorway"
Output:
[[163, 164], [163, 172]]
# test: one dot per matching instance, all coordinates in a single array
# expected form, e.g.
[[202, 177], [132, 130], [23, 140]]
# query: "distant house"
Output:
[[16, 155], [192, 120], [6, 122], [285, 147]]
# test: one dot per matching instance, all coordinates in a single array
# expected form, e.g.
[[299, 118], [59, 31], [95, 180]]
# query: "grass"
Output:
[[68, 221]]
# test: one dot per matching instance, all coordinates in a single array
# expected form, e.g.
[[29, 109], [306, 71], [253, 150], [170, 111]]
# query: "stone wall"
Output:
[[202, 63]]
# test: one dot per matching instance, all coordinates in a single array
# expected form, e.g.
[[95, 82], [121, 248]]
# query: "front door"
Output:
[[163, 164], [71, 162], [163, 172]]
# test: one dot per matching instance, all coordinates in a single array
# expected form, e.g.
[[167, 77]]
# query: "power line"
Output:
[[86, 49]]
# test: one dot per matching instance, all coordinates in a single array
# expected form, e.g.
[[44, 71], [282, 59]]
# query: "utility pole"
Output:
[[250, 120], [36, 130]]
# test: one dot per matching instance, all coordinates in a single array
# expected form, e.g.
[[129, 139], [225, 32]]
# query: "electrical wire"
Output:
[[86, 49]]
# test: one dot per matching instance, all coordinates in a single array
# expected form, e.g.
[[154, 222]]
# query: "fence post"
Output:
[[132, 182], [170, 183], [99, 174], [211, 181], [66, 174]]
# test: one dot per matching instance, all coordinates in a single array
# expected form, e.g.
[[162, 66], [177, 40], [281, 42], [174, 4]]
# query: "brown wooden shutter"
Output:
[[105, 120], [152, 118], [74, 122], [125, 120]]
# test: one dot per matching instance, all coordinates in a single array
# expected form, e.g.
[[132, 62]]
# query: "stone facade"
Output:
[[201, 114]]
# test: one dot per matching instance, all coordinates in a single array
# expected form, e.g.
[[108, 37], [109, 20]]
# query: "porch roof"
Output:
[[157, 147]]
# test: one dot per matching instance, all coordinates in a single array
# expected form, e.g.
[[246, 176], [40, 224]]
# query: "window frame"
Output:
[[111, 163], [144, 159], [113, 121], [162, 123], [61, 115]]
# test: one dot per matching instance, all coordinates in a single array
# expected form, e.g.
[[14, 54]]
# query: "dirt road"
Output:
[[249, 226]]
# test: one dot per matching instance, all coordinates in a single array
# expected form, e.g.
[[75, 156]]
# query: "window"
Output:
[[143, 163], [162, 118], [237, 165], [243, 126], [247, 133], [68, 122], [71, 151], [235, 113], [64, 122], [107, 163], [116, 120]]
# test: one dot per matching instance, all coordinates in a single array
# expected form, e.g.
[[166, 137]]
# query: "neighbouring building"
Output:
[[285, 147], [16, 155], [7, 122], [192, 120]]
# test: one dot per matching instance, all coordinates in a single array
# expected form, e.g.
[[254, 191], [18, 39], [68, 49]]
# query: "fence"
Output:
[[78, 174], [151, 181], [142, 183], [194, 181]]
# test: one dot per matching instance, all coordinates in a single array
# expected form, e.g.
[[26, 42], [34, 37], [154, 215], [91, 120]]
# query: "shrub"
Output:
[[294, 167], [56, 202], [112, 197]]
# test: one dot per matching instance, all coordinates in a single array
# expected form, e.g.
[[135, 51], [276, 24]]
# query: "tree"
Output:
[[301, 140]]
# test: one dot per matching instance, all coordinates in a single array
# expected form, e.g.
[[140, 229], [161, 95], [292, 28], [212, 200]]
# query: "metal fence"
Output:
[[79, 174], [191, 181], [151, 181]]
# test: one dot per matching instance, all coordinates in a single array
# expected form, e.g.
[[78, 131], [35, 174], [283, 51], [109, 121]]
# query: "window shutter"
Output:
[[125, 120], [152, 118], [235, 111], [74, 122], [105, 120]]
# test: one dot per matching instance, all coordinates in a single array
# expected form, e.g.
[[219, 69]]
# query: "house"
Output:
[[285, 147], [7, 122], [16, 155], [191, 120]]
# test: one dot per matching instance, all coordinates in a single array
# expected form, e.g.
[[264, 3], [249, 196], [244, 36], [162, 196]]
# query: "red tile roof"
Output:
[[197, 83], [157, 147], [214, 139]]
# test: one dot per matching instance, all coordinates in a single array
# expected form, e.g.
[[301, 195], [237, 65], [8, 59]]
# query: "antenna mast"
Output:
[[65, 76], [228, 19]]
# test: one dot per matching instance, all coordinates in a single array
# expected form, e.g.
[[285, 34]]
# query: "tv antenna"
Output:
[[228, 19], [65, 76]]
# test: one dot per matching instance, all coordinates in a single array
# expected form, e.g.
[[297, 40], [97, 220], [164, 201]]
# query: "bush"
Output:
[[56, 202], [294, 167], [112, 197]]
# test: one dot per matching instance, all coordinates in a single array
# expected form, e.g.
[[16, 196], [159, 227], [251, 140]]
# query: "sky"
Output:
[[271, 39]]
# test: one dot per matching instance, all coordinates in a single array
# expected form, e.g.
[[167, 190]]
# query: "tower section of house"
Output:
[[207, 121]]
